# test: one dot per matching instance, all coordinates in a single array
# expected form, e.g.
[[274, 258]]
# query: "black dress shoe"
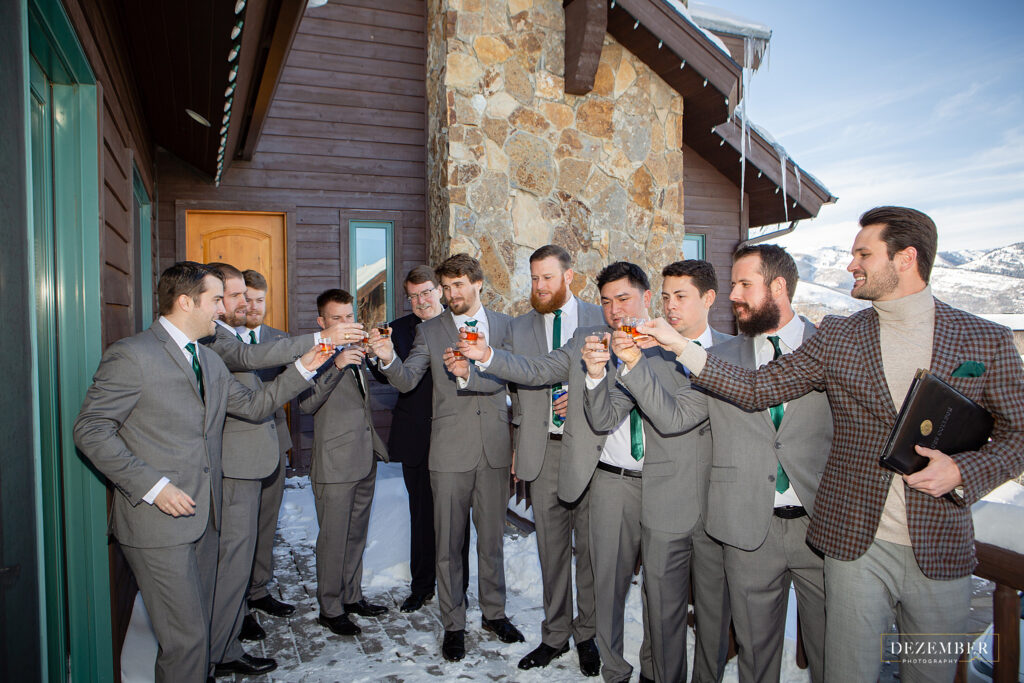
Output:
[[251, 629], [453, 648], [340, 624], [503, 628], [415, 601], [590, 657], [272, 606], [542, 656], [247, 665], [364, 609]]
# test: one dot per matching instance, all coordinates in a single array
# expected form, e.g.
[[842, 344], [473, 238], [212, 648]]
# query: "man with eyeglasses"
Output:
[[409, 440]]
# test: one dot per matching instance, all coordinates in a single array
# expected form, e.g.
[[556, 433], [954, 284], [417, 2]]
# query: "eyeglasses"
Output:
[[421, 296]]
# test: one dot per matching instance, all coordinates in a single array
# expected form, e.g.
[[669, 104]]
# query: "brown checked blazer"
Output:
[[844, 360]]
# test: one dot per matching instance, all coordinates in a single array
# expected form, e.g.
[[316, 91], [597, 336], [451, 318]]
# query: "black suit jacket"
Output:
[[409, 441]]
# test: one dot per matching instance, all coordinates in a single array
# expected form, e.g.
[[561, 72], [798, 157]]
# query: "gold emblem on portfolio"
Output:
[[926, 428]]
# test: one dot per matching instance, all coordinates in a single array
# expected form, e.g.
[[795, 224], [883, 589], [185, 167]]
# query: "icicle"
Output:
[[782, 163], [748, 56], [799, 185]]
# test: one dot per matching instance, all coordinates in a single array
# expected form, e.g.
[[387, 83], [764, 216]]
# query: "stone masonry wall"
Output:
[[516, 163]]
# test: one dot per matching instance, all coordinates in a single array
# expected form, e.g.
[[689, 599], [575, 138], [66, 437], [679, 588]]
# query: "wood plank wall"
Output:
[[711, 207], [345, 138], [124, 140]]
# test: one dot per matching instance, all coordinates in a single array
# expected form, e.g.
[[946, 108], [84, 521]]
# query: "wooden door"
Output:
[[245, 239]]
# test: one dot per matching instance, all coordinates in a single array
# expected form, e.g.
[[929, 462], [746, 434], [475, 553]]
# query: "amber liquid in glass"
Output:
[[472, 335]]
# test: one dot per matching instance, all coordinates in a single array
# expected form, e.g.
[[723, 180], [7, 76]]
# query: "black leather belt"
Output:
[[621, 471], [790, 512], [553, 436]]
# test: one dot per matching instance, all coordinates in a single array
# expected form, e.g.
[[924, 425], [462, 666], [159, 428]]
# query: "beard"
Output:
[[878, 284], [460, 308], [557, 300], [235, 318], [762, 319]]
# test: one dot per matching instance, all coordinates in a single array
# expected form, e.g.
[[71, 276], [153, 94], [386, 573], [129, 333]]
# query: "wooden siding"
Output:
[[344, 138], [124, 141], [711, 207]]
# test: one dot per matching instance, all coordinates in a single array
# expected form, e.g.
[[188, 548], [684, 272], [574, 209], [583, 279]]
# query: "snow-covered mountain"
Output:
[[976, 280]]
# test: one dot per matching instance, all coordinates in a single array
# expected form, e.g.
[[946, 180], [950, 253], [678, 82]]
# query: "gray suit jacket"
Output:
[[747, 449], [344, 440], [671, 468], [143, 419], [531, 405], [465, 422], [581, 445], [238, 355], [269, 335]]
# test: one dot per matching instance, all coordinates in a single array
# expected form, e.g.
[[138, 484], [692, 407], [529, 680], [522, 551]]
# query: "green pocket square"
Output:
[[971, 368]]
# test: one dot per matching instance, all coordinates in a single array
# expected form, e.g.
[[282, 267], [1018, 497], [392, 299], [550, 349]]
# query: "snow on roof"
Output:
[[770, 139], [369, 271], [1015, 321], [681, 10], [718, 19]]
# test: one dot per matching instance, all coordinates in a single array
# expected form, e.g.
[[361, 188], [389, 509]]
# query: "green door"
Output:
[[69, 498], [41, 115]]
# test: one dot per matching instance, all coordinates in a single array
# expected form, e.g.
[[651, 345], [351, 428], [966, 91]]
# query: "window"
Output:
[[693, 247], [143, 253], [371, 277]]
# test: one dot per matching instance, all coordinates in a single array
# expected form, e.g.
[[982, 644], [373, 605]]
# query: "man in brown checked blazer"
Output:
[[903, 544]]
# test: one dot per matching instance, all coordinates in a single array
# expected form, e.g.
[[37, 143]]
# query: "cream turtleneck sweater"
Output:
[[906, 327]]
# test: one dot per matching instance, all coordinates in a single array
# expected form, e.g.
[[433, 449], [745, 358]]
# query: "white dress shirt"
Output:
[[618, 447], [244, 331], [791, 336]]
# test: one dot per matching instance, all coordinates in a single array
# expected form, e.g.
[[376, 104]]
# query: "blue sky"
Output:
[[917, 103]]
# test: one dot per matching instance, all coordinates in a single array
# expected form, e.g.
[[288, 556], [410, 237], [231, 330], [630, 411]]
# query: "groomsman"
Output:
[[688, 290], [539, 415], [600, 461], [409, 439], [765, 472], [259, 597], [343, 473], [251, 452], [670, 510], [152, 422], [470, 452]]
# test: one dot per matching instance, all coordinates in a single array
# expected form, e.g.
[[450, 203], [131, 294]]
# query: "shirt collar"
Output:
[[705, 338], [568, 309], [179, 337], [791, 334], [478, 315]]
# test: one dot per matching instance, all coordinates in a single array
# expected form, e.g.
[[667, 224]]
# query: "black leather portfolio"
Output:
[[935, 415]]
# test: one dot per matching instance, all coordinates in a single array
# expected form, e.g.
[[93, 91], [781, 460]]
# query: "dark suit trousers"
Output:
[[421, 537], [177, 584]]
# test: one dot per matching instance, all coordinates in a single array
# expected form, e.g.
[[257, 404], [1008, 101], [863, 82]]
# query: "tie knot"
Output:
[[471, 323], [558, 312], [252, 336], [191, 348], [774, 339], [698, 343]]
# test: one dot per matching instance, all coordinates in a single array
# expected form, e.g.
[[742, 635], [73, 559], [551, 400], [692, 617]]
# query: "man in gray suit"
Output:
[[343, 473], [598, 459], [688, 290], [152, 422], [762, 520], [671, 478], [470, 451], [765, 473], [538, 415], [272, 488]]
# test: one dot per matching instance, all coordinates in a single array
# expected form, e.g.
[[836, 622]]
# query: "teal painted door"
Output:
[[41, 113]]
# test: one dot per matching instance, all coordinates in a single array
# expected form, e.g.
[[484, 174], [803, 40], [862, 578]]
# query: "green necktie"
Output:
[[239, 337], [191, 348], [781, 478], [556, 342], [636, 435], [252, 337]]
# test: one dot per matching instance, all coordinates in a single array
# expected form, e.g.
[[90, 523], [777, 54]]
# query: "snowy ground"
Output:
[[406, 647]]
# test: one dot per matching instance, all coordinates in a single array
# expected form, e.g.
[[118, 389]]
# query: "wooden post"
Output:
[[1006, 620]]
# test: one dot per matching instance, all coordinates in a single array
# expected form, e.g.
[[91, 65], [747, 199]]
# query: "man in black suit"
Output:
[[409, 441]]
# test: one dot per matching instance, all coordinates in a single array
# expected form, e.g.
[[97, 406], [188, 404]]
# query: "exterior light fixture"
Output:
[[198, 118]]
